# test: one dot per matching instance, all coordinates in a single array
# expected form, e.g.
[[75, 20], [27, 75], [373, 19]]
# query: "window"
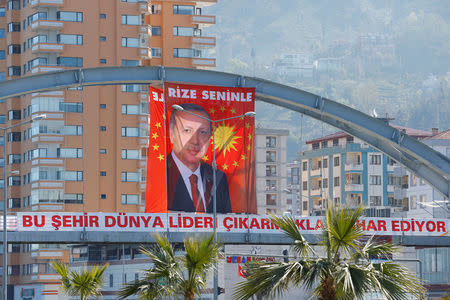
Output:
[[14, 159], [186, 52], [102, 38], [69, 61], [2, 54], [271, 156], [315, 146], [14, 115], [156, 30], [102, 16], [69, 39], [2, 76], [325, 183], [102, 105], [102, 196], [69, 16], [349, 139], [337, 200], [14, 136], [324, 144], [184, 31], [72, 130], [2, 33], [2, 119], [375, 179], [40, 61], [423, 199], [335, 142], [13, 4], [305, 166], [102, 128], [131, 88], [336, 161], [413, 180], [42, 15], [102, 173], [156, 52], [102, 151], [413, 202], [336, 181], [130, 20], [271, 199], [72, 175], [130, 63], [14, 71], [375, 159], [183, 9], [130, 176], [102, 60], [71, 107], [271, 141], [2, 11], [70, 152], [325, 163], [128, 109], [14, 27], [14, 203], [130, 154], [130, 199], [130, 42], [14, 180], [305, 185], [375, 200], [271, 171], [130, 131], [111, 280]]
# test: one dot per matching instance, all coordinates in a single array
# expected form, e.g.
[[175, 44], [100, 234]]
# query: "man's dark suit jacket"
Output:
[[178, 195]]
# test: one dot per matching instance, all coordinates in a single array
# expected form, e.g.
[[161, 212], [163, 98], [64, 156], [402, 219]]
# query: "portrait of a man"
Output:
[[189, 178]]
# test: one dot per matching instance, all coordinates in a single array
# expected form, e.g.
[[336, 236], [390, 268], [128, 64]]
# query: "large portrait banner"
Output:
[[186, 120]]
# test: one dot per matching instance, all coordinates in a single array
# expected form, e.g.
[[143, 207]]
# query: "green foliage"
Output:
[[84, 283], [172, 275], [346, 271]]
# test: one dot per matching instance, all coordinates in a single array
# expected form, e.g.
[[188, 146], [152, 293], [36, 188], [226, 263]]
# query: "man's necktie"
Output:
[[196, 198]]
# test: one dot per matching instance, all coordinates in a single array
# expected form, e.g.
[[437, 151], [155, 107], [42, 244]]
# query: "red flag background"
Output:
[[234, 140]]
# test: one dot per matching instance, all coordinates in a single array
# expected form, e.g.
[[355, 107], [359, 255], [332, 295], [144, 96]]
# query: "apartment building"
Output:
[[343, 169], [89, 153], [270, 164]]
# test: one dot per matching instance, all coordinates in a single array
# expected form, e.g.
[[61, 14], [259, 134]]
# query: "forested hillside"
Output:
[[389, 55]]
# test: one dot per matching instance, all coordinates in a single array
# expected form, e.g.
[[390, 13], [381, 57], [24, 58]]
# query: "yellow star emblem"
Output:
[[225, 166], [222, 108], [158, 125], [235, 164], [249, 147], [247, 125], [241, 117], [233, 111], [243, 156], [161, 157], [155, 136], [205, 158], [155, 147], [249, 136], [212, 110]]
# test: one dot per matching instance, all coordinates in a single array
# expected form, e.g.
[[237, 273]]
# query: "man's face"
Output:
[[190, 138]]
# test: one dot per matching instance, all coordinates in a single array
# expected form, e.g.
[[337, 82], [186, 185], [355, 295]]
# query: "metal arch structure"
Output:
[[418, 157]]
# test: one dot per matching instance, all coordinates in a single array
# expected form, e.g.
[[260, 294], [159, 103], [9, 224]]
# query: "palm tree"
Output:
[[85, 283], [344, 271], [173, 275]]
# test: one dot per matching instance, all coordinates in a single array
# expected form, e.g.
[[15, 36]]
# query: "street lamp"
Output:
[[214, 166], [5, 206]]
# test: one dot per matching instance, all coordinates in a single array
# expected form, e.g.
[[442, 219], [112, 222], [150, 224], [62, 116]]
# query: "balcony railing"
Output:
[[353, 187], [37, 3], [47, 25], [201, 19], [47, 48], [203, 42], [46, 69], [353, 167]]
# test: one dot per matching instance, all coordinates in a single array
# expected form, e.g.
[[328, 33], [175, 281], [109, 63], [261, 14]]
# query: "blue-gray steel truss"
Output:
[[418, 157]]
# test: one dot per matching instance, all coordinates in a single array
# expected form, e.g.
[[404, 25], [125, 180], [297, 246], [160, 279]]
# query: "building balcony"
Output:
[[145, 31], [47, 25], [390, 188], [47, 48], [47, 207], [145, 53], [47, 3], [315, 191], [354, 187], [46, 254], [204, 62], [48, 162], [47, 69], [203, 20], [202, 42], [144, 8], [316, 171], [353, 167]]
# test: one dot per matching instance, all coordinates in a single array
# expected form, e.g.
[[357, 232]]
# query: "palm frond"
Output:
[[374, 249], [289, 226]]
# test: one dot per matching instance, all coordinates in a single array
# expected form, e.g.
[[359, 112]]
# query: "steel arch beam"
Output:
[[418, 157]]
